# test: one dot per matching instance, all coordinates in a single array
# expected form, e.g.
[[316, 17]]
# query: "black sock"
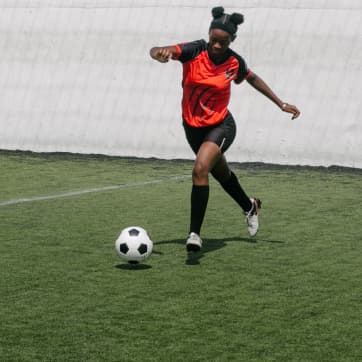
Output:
[[234, 189], [199, 199]]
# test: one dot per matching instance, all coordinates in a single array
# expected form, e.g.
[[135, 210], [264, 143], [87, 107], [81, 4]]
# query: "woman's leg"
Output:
[[206, 157], [230, 183]]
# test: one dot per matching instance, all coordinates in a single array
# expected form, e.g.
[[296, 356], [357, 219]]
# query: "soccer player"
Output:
[[208, 70]]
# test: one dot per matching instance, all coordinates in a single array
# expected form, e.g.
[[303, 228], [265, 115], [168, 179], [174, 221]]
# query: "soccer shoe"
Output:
[[252, 217], [193, 243]]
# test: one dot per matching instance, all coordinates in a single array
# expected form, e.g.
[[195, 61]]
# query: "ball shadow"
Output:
[[133, 267]]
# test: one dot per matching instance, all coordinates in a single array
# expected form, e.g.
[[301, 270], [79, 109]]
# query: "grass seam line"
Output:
[[90, 190]]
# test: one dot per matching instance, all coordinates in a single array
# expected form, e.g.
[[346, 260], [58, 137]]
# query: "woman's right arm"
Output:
[[163, 54]]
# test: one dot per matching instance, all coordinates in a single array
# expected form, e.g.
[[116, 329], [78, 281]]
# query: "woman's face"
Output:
[[219, 41]]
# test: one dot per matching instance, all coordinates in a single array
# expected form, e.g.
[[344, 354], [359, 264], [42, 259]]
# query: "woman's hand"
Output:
[[162, 55], [290, 108]]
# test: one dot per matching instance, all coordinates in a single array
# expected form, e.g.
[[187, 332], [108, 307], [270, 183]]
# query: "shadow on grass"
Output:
[[133, 267], [136, 266], [210, 245]]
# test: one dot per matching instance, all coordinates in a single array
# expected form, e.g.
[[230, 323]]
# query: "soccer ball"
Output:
[[133, 244]]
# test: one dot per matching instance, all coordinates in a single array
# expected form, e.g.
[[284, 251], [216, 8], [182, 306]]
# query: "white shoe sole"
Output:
[[193, 243]]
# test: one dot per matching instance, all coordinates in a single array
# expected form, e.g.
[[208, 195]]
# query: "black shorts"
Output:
[[223, 134]]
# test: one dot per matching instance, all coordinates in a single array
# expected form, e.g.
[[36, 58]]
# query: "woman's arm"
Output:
[[262, 87], [163, 54]]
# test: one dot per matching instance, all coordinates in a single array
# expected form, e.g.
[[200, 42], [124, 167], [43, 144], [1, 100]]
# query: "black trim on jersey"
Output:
[[242, 70], [191, 50]]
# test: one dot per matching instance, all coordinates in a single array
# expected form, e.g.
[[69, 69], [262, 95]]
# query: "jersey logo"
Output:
[[229, 73]]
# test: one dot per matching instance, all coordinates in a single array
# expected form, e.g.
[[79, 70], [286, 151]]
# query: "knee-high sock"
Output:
[[199, 199], [234, 189]]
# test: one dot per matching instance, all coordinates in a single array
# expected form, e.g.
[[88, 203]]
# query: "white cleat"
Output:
[[252, 217], [193, 243]]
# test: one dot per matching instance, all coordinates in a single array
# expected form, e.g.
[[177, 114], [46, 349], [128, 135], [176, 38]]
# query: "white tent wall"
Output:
[[76, 76]]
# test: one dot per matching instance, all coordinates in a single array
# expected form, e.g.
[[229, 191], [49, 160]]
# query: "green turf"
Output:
[[294, 293]]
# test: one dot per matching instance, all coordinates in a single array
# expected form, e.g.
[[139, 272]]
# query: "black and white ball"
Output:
[[134, 244]]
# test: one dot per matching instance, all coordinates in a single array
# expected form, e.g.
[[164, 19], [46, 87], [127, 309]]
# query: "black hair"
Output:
[[226, 22]]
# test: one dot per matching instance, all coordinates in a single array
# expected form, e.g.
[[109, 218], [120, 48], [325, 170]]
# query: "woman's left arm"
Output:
[[262, 87]]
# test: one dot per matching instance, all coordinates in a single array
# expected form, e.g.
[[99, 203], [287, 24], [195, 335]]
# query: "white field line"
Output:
[[89, 191]]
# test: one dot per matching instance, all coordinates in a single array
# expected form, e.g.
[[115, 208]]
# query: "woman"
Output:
[[208, 69]]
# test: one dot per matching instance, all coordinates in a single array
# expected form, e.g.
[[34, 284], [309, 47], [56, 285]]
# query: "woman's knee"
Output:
[[200, 170], [207, 155]]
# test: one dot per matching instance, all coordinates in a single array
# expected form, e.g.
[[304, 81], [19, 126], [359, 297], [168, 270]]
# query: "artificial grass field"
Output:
[[293, 293]]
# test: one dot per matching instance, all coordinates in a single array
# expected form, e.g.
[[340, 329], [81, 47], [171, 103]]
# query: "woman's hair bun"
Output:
[[237, 18], [217, 12]]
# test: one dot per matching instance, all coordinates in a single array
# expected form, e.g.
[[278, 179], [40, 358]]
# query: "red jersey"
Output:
[[206, 86]]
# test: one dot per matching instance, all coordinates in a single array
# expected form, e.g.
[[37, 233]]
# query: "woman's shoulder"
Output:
[[192, 49], [200, 43], [236, 55]]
